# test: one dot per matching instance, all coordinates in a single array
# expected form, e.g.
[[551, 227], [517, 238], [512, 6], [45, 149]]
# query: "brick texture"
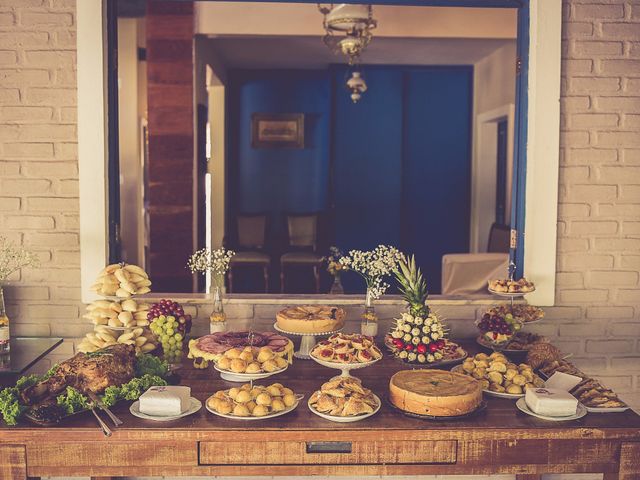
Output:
[[600, 102], [597, 312]]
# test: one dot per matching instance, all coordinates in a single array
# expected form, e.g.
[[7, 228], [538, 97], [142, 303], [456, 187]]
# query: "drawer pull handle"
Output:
[[328, 447]]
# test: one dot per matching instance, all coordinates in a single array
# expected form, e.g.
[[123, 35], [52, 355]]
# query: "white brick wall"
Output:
[[597, 317]]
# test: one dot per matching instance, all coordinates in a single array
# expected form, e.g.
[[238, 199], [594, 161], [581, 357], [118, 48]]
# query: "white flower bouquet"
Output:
[[373, 266], [13, 258], [214, 261]]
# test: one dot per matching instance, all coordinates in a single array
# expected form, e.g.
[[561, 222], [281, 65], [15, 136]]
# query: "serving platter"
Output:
[[245, 377], [607, 410], [194, 407], [522, 406], [497, 347], [273, 415], [445, 362], [344, 367], [511, 294], [479, 409], [509, 396], [349, 419], [307, 342]]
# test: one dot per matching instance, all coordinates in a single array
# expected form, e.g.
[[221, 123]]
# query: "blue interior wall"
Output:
[[280, 180], [367, 161], [393, 168], [437, 166]]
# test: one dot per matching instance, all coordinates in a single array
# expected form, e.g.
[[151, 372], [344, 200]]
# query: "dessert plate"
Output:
[[195, 406], [273, 415], [510, 396], [344, 367], [512, 294], [354, 418], [607, 410], [522, 406], [245, 377]]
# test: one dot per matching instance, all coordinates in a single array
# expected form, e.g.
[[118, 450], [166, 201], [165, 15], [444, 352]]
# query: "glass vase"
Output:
[[217, 319], [4, 325], [369, 324], [336, 286]]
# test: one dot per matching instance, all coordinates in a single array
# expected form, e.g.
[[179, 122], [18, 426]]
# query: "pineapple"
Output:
[[413, 287], [418, 336]]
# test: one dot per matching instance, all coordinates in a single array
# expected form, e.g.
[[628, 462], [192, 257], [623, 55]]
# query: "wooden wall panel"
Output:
[[171, 135]]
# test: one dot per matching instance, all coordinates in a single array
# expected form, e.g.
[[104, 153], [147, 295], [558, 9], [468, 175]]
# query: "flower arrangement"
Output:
[[334, 267], [373, 266], [214, 261], [217, 262], [13, 258]]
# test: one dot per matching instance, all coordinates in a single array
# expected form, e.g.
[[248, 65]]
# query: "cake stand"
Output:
[[246, 377], [307, 342], [344, 367]]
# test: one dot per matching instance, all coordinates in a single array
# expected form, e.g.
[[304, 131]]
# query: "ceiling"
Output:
[[310, 52]]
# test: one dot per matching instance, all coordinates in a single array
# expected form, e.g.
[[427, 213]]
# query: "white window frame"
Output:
[[543, 145]]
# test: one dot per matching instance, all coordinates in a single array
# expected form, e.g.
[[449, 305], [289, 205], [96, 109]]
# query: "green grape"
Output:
[[178, 337], [169, 331]]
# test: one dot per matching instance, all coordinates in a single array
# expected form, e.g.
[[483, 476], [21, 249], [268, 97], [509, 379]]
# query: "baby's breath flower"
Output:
[[373, 266], [13, 258], [214, 261]]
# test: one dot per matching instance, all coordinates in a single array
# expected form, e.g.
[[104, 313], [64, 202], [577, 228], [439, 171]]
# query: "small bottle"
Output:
[[4, 326]]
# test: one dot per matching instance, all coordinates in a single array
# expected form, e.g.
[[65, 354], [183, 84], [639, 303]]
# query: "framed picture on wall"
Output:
[[277, 130]]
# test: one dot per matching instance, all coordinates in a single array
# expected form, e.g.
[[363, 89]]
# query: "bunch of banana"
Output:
[[124, 313], [122, 280], [102, 337]]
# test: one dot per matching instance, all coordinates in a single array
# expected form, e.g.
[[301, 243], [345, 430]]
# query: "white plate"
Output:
[[510, 396], [193, 408], [522, 406], [607, 410], [344, 366], [511, 295], [273, 415], [355, 418], [246, 377]]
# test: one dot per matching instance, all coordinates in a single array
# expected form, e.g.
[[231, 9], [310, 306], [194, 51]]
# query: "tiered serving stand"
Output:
[[511, 297], [307, 342]]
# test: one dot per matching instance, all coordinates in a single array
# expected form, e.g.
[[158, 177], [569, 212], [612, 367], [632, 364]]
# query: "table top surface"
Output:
[[25, 352], [306, 376]]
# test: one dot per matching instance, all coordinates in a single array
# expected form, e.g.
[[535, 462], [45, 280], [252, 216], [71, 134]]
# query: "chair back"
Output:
[[303, 230], [252, 230], [499, 238]]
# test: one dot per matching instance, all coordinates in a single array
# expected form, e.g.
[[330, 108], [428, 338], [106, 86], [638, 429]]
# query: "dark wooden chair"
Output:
[[499, 238], [302, 230], [250, 245]]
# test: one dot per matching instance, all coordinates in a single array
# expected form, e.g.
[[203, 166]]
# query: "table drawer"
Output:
[[373, 452], [110, 454]]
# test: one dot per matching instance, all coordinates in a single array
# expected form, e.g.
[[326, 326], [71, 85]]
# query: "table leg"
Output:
[[610, 476], [528, 476]]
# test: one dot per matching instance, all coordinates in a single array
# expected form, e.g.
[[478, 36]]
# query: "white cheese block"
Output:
[[165, 401], [551, 402]]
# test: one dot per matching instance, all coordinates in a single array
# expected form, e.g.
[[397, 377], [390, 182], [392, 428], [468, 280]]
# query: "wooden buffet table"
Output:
[[500, 440]]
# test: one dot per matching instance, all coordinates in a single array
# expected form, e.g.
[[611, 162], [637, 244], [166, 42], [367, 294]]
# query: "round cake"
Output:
[[310, 319], [434, 392]]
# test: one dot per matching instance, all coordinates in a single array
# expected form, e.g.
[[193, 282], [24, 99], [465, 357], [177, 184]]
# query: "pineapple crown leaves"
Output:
[[412, 284]]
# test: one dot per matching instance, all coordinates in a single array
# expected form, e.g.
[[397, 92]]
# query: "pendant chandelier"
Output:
[[348, 32], [348, 28]]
